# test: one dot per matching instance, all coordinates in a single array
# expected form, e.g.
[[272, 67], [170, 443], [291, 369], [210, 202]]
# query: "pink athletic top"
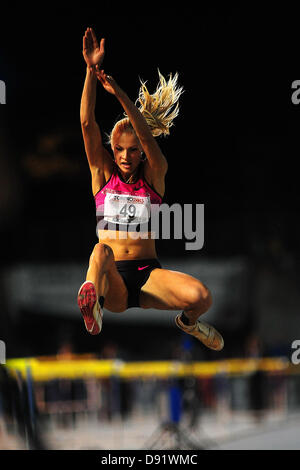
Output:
[[125, 206]]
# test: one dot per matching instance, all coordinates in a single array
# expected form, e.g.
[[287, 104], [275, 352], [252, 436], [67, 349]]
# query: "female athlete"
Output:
[[124, 270]]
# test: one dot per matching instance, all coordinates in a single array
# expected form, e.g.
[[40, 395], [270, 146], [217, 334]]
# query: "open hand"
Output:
[[93, 53], [108, 83]]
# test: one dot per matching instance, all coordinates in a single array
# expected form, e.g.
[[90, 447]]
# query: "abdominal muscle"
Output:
[[126, 247]]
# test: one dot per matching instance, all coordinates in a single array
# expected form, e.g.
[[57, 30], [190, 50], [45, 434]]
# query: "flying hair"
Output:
[[159, 109]]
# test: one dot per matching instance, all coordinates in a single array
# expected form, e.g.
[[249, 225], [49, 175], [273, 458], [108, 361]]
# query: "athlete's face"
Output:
[[127, 153]]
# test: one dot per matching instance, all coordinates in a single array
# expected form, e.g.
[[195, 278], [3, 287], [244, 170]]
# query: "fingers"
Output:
[[103, 77], [100, 74], [87, 41], [93, 38], [84, 43], [102, 45], [106, 80]]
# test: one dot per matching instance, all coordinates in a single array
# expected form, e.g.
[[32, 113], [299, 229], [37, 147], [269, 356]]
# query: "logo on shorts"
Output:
[[143, 267]]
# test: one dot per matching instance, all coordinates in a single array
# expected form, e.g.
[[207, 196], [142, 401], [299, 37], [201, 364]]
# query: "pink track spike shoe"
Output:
[[90, 308]]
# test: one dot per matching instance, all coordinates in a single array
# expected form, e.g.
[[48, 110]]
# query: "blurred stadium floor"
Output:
[[237, 431]]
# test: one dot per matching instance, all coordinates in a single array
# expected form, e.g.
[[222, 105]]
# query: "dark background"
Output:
[[234, 146]]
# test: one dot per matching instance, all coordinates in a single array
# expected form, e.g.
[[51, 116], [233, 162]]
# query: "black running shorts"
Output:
[[135, 274]]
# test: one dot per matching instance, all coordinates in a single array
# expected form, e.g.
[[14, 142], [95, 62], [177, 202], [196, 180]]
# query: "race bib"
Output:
[[126, 209]]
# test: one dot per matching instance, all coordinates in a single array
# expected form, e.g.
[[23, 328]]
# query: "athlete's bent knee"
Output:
[[199, 297], [101, 250], [101, 253], [206, 298]]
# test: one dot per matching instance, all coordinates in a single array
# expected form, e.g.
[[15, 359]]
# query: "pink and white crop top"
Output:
[[125, 206]]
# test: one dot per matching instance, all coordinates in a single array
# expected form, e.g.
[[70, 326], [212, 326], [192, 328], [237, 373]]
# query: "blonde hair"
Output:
[[159, 109]]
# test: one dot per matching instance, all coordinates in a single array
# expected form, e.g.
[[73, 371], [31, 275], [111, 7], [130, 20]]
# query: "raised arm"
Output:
[[155, 159], [99, 159]]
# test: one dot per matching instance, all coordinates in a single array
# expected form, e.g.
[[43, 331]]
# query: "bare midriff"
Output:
[[127, 245]]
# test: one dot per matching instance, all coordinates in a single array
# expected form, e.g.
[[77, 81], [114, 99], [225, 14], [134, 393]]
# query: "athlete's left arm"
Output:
[[155, 157], [156, 165]]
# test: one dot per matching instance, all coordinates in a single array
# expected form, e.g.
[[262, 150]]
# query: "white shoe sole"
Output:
[[205, 333]]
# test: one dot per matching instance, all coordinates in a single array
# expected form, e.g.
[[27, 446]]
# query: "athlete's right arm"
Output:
[[99, 159]]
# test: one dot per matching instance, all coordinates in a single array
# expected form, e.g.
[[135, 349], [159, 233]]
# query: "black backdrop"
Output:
[[234, 146]]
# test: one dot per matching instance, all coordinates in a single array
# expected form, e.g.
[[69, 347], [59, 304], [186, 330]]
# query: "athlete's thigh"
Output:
[[168, 290], [117, 295]]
